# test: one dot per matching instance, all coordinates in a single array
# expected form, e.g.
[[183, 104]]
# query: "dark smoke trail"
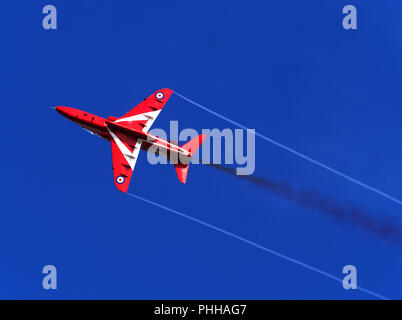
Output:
[[385, 228]]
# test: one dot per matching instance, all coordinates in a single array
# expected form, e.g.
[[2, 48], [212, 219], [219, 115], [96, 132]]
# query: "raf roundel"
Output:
[[159, 95], [120, 179]]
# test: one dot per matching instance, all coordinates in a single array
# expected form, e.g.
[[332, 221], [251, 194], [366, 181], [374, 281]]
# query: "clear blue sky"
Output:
[[286, 68]]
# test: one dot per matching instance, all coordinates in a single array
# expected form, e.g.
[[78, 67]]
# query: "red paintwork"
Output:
[[191, 146], [131, 132]]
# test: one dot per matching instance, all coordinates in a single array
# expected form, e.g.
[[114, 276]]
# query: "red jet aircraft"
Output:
[[129, 133]]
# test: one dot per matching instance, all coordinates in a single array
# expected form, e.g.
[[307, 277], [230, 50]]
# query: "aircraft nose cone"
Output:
[[60, 109], [65, 111]]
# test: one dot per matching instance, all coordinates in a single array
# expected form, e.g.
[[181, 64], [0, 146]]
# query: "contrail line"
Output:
[[301, 155], [386, 228], [256, 245]]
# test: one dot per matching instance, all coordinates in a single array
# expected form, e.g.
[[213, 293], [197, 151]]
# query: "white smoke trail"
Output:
[[256, 245]]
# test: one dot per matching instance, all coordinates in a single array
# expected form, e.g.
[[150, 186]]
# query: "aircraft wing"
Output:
[[144, 114], [124, 160]]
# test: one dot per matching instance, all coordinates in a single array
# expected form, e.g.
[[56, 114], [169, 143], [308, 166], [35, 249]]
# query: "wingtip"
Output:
[[166, 91]]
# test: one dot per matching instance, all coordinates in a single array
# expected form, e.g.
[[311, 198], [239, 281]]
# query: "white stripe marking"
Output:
[[131, 157], [149, 117]]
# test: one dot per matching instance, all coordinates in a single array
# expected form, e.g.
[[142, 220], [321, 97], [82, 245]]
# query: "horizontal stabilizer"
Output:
[[192, 147], [181, 171]]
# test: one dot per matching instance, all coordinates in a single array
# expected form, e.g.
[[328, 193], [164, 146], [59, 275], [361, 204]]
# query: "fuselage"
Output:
[[102, 127]]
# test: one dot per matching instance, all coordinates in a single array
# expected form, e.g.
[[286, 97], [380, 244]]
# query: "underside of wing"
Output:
[[144, 114], [124, 159]]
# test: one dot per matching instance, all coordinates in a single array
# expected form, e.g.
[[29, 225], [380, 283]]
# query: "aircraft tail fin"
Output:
[[192, 147]]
